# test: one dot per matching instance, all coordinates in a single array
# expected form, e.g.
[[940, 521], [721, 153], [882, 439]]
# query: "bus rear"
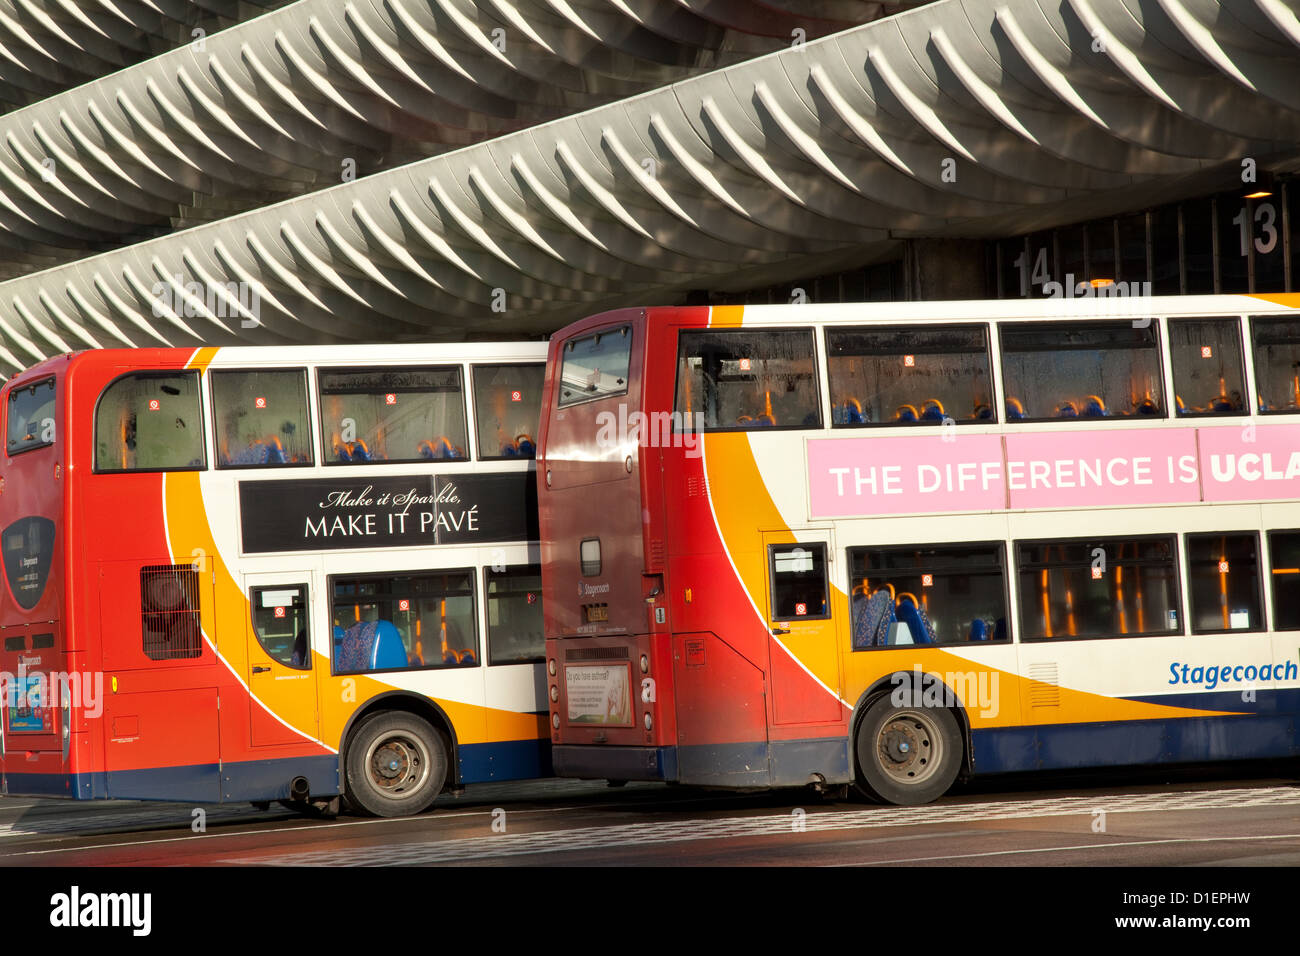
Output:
[[40, 672], [628, 596]]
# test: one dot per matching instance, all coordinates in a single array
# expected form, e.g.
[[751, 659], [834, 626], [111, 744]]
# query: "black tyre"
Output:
[[907, 755], [396, 765]]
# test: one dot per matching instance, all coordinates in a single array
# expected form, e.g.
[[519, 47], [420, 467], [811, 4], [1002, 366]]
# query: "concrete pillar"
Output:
[[946, 269]]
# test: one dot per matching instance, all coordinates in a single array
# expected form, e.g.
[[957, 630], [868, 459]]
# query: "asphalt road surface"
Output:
[[1212, 818]]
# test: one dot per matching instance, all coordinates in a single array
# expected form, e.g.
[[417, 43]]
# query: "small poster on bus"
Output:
[[599, 694], [28, 710]]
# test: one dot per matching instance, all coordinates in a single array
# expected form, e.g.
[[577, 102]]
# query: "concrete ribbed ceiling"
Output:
[[320, 90], [803, 155], [47, 46]]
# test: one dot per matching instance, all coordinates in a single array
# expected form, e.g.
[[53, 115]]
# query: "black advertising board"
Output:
[[387, 512]]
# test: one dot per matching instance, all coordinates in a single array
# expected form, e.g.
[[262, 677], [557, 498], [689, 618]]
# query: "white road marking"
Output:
[[1084, 846], [767, 825]]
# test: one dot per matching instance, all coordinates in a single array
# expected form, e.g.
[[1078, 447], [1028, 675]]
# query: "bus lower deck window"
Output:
[[927, 594], [1223, 578], [799, 588], [1284, 563]]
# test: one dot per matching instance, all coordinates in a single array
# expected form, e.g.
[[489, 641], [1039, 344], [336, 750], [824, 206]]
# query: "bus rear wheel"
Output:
[[396, 765], [907, 755]]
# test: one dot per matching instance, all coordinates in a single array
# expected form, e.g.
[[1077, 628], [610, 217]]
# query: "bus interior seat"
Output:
[[509, 450], [851, 412], [913, 615], [1094, 407], [1000, 629], [1222, 403], [1015, 410], [979, 631], [982, 413], [765, 420], [1067, 409], [371, 645], [1178, 403], [1147, 407], [353, 451], [905, 413], [527, 447], [871, 617], [932, 410]]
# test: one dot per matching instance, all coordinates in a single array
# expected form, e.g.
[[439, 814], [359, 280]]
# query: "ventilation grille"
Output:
[[1044, 686], [656, 552], [596, 654], [169, 619]]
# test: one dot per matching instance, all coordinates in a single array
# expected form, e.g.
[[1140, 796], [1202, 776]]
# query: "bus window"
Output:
[[596, 366], [261, 418], [392, 415], [1058, 370], [404, 622], [1105, 587], [31, 416], [150, 421], [1277, 363], [798, 582], [280, 622], [514, 615], [1208, 376], [949, 594], [909, 376], [1223, 576], [739, 379], [1284, 558], [507, 406]]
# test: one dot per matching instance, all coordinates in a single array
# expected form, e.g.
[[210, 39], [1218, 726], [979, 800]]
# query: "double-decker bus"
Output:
[[893, 544], [257, 574]]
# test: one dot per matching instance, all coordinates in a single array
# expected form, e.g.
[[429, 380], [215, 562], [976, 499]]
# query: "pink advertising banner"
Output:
[[951, 472]]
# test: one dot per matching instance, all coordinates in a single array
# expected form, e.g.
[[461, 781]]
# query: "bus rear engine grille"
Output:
[[169, 618]]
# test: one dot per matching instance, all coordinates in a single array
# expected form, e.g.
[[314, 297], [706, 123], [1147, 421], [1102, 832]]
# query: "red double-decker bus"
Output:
[[893, 544], [254, 574]]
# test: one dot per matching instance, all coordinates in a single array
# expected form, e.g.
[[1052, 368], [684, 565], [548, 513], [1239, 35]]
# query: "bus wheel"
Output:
[[907, 755], [396, 765]]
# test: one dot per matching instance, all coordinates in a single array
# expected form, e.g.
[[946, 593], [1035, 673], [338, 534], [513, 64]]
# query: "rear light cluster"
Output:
[[555, 694]]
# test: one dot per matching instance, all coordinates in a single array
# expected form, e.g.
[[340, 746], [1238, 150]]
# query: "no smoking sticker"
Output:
[[154, 405], [279, 612], [259, 403]]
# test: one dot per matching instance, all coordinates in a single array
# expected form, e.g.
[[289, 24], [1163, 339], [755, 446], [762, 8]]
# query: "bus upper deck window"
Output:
[[507, 407], [1074, 370], [1208, 375], [150, 421], [31, 416], [738, 379], [912, 375], [261, 418], [1276, 344], [392, 415], [596, 366]]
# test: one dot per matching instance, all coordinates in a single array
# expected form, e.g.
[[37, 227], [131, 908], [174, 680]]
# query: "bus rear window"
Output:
[[742, 380], [507, 404], [1073, 370], [150, 421], [31, 416], [909, 376], [1277, 363], [392, 415], [596, 366]]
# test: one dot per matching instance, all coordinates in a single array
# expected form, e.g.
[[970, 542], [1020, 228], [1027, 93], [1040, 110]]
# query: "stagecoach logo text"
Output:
[[384, 512]]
